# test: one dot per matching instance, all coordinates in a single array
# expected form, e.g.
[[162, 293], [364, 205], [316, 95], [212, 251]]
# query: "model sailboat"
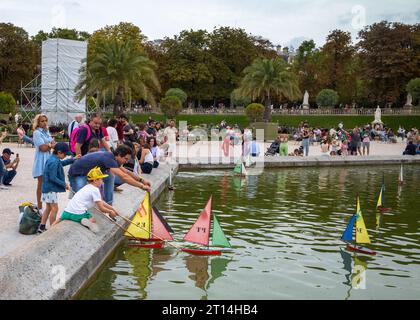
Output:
[[381, 201], [240, 170], [148, 228], [205, 227], [362, 236]]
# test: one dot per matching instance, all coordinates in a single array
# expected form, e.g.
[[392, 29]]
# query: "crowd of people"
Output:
[[332, 141], [102, 155], [343, 142]]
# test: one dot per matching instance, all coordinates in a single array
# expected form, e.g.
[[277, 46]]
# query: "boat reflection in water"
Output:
[[356, 277], [198, 267], [145, 265]]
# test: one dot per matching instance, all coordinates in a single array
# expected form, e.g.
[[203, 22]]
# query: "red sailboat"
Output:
[[201, 232]]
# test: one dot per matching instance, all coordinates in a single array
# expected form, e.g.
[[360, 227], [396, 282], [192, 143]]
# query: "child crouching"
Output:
[[88, 197]]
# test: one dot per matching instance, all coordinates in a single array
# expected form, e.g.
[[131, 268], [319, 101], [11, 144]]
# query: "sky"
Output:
[[282, 22]]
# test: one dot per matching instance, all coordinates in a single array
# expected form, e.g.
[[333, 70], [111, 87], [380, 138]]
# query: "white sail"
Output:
[[402, 174]]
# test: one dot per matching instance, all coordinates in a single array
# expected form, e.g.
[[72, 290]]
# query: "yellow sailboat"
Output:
[[381, 201], [148, 227], [362, 236]]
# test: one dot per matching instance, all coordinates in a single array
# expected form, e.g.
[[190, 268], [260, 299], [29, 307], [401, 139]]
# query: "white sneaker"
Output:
[[3, 187], [89, 224]]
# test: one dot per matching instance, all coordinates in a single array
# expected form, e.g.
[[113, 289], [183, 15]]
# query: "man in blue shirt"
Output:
[[110, 164], [6, 175]]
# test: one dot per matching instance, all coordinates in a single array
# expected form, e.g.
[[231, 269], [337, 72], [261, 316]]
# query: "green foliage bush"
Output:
[[239, 100], [179, 93], [413, 88], [327, 98], [255, 112], [7, 103], [171, 106]]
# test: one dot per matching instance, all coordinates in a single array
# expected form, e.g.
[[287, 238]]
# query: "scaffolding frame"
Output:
[[30, 98]]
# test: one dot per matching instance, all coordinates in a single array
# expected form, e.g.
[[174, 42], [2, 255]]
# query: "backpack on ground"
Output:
[[29, 219], [75, 133]]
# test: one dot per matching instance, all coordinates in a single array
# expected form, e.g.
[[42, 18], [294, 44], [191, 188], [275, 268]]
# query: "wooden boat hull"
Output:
[[138, 244], [145, 240], [355, 248], [384, 210], [202, 252]]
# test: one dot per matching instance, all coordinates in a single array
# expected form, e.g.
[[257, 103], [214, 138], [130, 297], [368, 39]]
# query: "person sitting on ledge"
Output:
[[411, 149], [146, 161]]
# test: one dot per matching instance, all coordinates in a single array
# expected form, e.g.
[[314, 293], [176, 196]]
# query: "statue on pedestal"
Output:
[[305, 104], [409, 103], [378, 114], [378, 124]]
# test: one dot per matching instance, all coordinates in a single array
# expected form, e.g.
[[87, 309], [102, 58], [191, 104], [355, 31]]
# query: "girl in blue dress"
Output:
[[43, 144]]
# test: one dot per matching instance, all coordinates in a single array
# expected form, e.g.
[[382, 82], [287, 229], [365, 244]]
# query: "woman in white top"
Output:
[[154, 148], [146, 160], [112, 134], [325, 148]]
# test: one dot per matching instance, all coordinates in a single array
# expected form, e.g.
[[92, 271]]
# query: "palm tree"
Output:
[[269, 78], [120, 69]]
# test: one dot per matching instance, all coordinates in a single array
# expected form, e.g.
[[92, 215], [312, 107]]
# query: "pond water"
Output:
[[285, 228]]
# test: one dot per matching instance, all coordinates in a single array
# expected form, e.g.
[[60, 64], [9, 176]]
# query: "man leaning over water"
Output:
[[110, 164]]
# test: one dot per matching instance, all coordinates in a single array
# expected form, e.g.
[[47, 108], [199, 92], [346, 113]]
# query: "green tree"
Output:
[[238, 100], [188, 64], [179, 93], [62, 33], [308, 66], [18, 58], [119, 69], [391, 58], [255, 112], [340, 65], [7, 103], [338, 53], [232, 50], [171, 106], [122, 32], [413, 87], [327, 98], [266, 79]]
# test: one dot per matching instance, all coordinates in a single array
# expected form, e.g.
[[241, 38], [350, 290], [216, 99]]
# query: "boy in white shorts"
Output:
[[88, 197]]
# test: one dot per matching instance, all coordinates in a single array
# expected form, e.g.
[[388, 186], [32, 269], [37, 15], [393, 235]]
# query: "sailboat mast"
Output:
[[355, 225]]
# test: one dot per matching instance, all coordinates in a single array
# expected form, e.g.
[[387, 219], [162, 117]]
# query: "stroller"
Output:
[[274, 149]]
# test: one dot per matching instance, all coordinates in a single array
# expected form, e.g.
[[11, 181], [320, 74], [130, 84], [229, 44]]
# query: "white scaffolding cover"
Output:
[[61, 63]]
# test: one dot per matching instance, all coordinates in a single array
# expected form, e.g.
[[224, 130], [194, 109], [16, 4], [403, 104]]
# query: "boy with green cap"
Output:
[[88, 197]]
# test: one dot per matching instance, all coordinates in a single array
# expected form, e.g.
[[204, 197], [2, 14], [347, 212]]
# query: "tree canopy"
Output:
[[119, 69], [269, 78], [18, 58], [209, 65]]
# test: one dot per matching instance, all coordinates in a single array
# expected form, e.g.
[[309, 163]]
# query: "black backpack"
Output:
[[31, 219]]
